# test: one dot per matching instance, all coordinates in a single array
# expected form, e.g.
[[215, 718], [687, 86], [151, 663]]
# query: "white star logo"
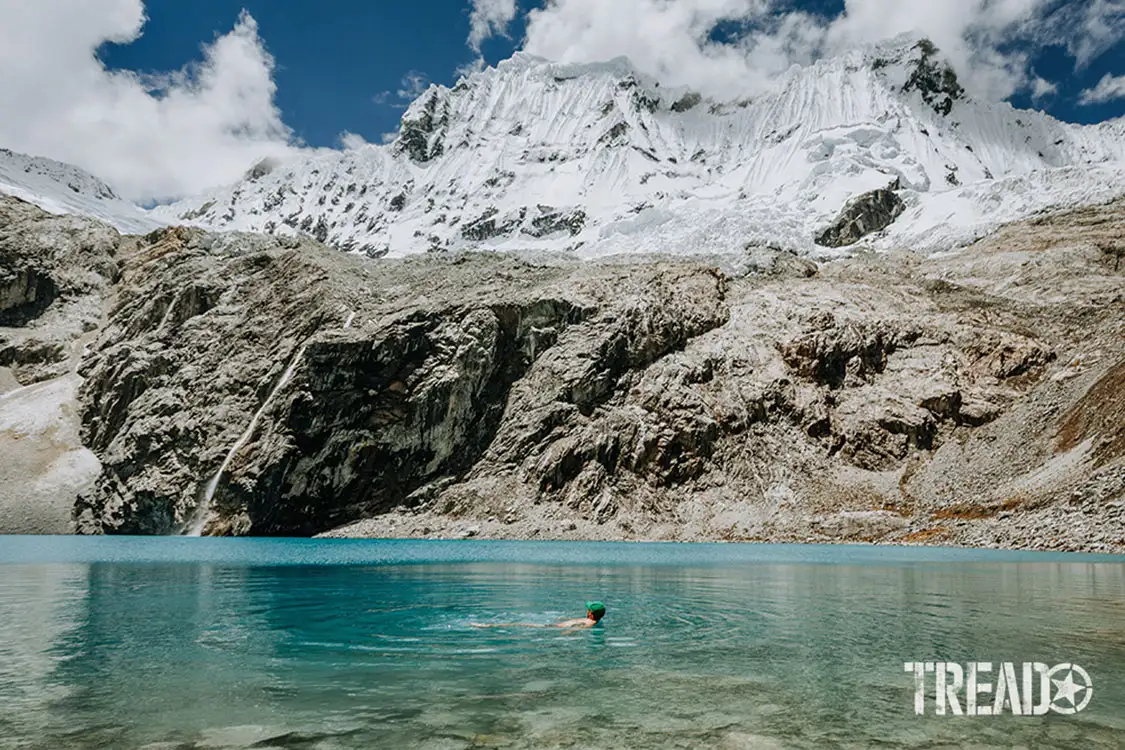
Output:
[[1068, 690]]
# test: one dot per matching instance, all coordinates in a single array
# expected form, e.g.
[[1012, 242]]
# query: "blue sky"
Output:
[[333, 67], [340, 69]]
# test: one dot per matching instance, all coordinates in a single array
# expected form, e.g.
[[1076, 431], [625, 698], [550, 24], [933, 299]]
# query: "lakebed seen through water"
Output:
[[206, 643]]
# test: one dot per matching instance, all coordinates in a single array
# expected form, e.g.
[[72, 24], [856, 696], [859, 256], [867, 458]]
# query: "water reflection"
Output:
[[199, 655], [39, 607]]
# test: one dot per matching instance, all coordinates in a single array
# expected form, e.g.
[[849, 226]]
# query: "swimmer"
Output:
[[595, 611]]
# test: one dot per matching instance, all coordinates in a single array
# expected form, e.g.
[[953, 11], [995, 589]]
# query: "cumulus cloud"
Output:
[[669, 40], [475, 65], [974, 34], [153, 137], [488, 18], [1110, 88], [988, 41]]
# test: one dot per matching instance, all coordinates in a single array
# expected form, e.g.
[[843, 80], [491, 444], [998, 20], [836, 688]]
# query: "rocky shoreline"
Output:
[[974, 398], [1085, 527]]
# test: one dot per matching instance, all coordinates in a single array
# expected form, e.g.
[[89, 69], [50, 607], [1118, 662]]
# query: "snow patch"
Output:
[[64, 189]]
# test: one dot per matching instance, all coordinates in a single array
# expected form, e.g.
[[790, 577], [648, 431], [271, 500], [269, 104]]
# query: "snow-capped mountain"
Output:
[[600, 159], [65, 189]]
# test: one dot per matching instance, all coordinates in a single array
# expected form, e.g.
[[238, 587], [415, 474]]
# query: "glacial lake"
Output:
[[173, 643]]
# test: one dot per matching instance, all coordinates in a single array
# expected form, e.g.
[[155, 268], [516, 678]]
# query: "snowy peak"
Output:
[[79, 182], [598, 158], [65, 189], [529, 100]]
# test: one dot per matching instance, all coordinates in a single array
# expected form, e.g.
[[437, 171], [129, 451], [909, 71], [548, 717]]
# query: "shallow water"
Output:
[[123, 643]]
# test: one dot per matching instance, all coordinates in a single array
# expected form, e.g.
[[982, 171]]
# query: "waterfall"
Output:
[[167, 313], [202, 514]]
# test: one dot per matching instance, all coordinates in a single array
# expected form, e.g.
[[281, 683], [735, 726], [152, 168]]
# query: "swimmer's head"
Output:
[[595, 610]]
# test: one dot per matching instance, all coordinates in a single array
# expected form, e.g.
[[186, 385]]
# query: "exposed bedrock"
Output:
[[24, 294], [55, 274], [863, 215], [421, 396], [382, 413], [965, 399], [414, 391]]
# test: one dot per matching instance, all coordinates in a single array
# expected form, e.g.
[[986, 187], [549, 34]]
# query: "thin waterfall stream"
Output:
[[202, 514]]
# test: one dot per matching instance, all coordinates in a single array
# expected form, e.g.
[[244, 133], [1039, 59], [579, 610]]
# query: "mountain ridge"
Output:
[[61, 188], [600, 159]]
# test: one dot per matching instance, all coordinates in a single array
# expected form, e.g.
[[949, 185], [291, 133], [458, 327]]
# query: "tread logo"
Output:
[[1027, 689]]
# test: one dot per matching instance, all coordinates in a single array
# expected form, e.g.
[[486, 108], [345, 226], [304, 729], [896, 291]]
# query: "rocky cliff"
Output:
[[246, 384], [57, 273]]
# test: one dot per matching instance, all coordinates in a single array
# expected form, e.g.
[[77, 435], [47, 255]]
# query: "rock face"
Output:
[[24, 294], [863, 215], [266, 386], [55, 274], [201, 329], [414, 392], [933, 79], [969, 398], [421, 398]]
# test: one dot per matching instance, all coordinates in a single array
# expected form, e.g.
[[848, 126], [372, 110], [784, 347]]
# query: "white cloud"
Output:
[[673, 40], [350, 141], [971, 33], [489, 18], [1041, 87], [152, 137], [475, 65], [1101, 25], [665, 39], [1110, 88]]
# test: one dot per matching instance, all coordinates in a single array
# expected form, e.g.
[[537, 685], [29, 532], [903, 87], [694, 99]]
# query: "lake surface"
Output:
[[333, 644]]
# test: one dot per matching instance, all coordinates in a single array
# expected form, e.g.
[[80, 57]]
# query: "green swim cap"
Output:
[[595, 607]]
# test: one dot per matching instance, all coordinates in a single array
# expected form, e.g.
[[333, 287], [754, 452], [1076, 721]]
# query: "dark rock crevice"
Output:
[[25, 293]]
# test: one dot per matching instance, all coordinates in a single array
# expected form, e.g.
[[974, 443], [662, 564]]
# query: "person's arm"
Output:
[[508, 625]]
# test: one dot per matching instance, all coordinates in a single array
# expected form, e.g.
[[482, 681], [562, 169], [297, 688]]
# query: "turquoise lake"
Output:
[[176, 643]]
